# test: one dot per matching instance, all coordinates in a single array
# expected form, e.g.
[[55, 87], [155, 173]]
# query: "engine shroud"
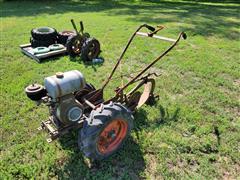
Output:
[[68, 110]]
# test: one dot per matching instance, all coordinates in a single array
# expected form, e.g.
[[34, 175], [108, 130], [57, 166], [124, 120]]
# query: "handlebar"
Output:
[[184, 35], [81, 26], [74, 25], [149, 27], [152, 34]]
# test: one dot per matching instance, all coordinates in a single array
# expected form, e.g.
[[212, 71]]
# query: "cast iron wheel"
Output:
[[90, 49], [74, 45], [105, 131], [64, 35], [44, 33]]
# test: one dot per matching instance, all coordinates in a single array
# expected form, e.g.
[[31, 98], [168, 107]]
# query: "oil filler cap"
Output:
[[59, 75]]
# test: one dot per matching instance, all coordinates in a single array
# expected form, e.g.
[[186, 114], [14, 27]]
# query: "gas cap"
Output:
[[59, 74]]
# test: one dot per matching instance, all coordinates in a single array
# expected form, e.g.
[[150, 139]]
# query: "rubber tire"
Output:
[[38, 43], [90, 132], [63, 36], [49, 35], [85, 49], [86, 35], [69, 44]]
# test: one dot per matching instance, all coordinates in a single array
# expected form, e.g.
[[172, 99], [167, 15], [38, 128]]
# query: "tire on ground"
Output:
[[44, 34], [90, 49], [38, 43], [64, 35], [99, 120]]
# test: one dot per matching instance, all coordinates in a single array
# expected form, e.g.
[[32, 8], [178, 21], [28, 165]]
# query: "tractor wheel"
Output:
[[44, 34], [105, 131], [74, 45], [86, 35], [90, 49], [38, 43], [64, 35]]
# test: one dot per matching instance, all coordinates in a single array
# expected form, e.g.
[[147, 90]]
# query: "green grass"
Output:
[[200, 86]]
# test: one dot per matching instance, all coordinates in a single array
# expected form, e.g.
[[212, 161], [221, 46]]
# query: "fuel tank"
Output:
[[62, 84]]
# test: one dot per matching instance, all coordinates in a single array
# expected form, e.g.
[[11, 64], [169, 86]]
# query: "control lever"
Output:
[[81, 26], [74, 26]]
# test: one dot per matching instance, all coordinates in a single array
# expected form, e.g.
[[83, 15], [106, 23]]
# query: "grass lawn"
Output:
[[200, 84]]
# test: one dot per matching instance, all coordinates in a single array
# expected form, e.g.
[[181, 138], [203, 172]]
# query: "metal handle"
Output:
[[74, 25], [184, 35], [81, 26], [150, 27]]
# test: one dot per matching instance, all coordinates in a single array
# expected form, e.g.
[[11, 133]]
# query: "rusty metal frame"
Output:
[[55, 131]]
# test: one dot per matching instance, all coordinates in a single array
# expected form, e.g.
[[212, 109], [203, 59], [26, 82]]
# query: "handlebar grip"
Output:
[[184, 35], [150, 27], [81, 26]]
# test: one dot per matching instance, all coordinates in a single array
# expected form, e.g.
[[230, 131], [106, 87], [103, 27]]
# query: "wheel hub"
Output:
[[112, 136]]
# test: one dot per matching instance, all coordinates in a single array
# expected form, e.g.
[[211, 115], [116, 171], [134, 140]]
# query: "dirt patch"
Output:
[[151, 169], [236, 82]]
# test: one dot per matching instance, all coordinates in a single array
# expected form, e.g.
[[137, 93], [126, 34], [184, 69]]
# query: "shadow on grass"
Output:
[[87, 63], [127, 163], [198, 1], [190, 16], [165, 118], [194, 17], [49, 59]]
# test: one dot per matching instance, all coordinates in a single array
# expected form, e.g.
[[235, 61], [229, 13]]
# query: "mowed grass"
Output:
[[193, 131]]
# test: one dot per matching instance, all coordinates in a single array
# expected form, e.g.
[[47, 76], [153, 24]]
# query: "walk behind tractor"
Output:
[[104, 124]]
